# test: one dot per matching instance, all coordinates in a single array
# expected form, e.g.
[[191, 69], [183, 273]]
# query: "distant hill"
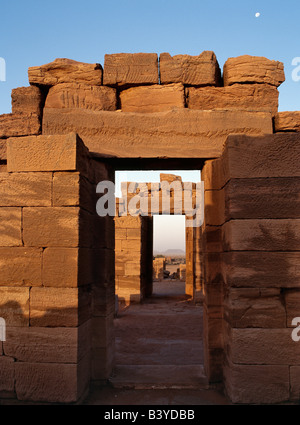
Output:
[[171, 252]]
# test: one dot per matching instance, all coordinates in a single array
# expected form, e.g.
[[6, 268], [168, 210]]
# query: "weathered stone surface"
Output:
[[27, 100], [60, 267], [254, 308], [103, 331], [3, 155], [156, 98], [10, 227], [7, 374], [46, 227], [14, 306], [15, 125], [256, 384], [287, 121], [253, 69], [66, 189], [180, 133], [48, 345], [58, 307], [292, 303], [261, 235], [65, 71], [295, 382], [169, 178], [51, 382], [25, 189], [263, 346], [103, 362], [257, 269], [242, 97], [214, 207], [72, 189], [201, 70], [273, 155], [130, 69], [263, 198], [73, 267], [20, 267], [46, 153], [71, 95]]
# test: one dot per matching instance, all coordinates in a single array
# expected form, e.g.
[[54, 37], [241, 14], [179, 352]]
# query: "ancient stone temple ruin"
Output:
[[73, 127]]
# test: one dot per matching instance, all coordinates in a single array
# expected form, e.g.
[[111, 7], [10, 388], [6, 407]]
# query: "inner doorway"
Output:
[[159, 337], [169, 255]]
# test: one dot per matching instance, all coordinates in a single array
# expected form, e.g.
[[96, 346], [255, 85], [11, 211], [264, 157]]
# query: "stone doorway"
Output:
[[159, 327]]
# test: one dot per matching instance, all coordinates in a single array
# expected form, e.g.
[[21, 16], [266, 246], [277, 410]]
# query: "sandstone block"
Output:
[[3, 167], [132, 268], [253, 69], [102, 331], [20, 266], [66, 189], [103, 362], [133, 234], [295, 382], [261, 235], [25, 189], [214, 207], [71, 95], [65, 71], [48, 345], [180, 133], [270, 156], [131, 245], [127, 223], [156, 98], [16, 125], [47, 153], [241, 97], [130, 69], [254, 307], [263, 198], [27, 100], [14, 306], [263, 346], [46, 227], [3, 155], [50, 382], [60, 267], [72, 189], [59, 307], [201, 70], [10, 226], [287, 121], [7, 374], [255, 384], [103, 299], [261, 269]]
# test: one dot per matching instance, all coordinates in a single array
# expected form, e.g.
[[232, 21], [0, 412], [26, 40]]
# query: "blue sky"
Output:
[[36, 32]]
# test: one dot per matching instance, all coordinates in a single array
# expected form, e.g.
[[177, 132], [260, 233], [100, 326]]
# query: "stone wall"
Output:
[[133, 258], [56, 292], [251, 243], [57, 267]]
